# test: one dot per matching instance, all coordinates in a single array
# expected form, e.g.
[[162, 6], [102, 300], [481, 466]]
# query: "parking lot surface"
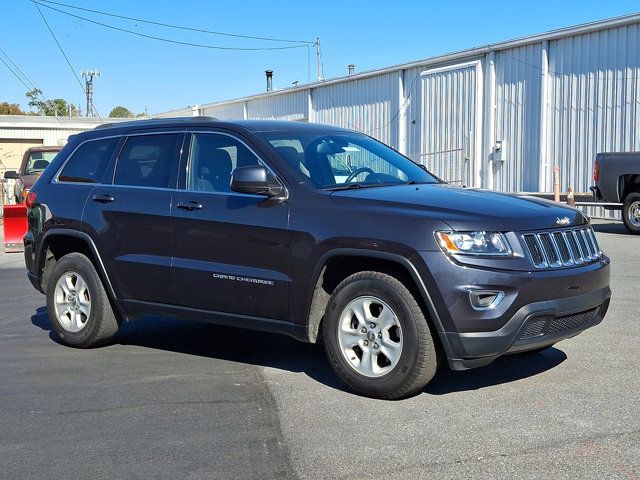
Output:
[[173, 399]]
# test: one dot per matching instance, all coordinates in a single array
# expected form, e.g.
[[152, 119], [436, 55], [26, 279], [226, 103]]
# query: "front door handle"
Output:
[[189, 205], [103, 198]]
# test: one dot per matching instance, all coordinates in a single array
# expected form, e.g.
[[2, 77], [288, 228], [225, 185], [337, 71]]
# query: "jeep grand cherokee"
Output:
[[313, 231]]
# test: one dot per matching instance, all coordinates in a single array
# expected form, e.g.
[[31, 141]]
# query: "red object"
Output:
[[596, 171], [15, 226], [30, 199]]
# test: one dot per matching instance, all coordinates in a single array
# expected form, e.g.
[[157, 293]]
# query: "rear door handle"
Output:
[[189, 205], [103, 198]]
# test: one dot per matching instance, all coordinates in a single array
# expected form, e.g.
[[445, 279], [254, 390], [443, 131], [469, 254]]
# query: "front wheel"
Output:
[[78, 305], [631, 213], [377, 338]]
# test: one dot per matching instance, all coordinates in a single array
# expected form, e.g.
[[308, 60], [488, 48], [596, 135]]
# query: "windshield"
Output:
[[344, 160], [38, 161]]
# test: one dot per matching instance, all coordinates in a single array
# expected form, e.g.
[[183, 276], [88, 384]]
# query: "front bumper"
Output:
[[536, 325], [539, 308]]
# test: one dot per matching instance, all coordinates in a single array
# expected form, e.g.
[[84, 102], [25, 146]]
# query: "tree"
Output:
[[7, 108], [121, 112], [56, 107]]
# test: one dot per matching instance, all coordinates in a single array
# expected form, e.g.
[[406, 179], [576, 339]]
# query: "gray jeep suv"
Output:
[[313, 231]]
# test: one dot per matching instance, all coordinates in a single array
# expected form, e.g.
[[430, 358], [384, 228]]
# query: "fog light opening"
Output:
[[485, 299]]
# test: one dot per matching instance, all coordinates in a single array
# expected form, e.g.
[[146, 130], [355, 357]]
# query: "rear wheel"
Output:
[[77, 303], [377, 338], [631, 213]]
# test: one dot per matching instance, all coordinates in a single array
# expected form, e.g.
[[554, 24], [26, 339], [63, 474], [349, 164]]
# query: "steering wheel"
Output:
[[357, 172]]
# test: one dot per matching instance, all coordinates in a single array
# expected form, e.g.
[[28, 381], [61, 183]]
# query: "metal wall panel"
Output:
[[49, 136], [594, 100], [366, 105], [225, 111], [182, 112], [517, 118], [285, 106], [448, 127], [413, 111]]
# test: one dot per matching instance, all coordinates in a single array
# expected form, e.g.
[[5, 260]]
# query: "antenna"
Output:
[[319, 59], [89, 75]]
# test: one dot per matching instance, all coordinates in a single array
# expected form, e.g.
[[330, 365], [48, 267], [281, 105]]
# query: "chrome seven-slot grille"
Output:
[[563, 248]]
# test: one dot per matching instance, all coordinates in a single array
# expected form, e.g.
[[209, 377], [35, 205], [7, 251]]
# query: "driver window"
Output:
[[212, 159]]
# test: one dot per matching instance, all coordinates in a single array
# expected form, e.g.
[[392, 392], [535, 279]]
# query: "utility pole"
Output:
[[319, 59], [89, 75]]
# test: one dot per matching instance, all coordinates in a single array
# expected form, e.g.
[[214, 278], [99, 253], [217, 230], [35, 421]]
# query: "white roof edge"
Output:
[[52, 123], [448, 57]]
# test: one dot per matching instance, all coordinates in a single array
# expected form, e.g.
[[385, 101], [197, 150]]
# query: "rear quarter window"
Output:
[[89, 162]]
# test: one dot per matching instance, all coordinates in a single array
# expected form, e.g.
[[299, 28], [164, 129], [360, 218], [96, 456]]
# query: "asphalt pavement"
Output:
[[174, 399]]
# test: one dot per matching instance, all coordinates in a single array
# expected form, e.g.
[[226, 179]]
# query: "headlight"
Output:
[[474, 243]]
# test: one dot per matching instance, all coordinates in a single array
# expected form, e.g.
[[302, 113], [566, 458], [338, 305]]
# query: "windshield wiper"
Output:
[[348, 186], [414, 182]]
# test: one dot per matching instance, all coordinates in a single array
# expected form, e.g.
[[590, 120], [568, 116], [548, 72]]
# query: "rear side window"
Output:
[[148, 160], [88, 163]]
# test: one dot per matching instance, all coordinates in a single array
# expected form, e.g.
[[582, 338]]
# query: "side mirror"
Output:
[[256, 180], [11, 175]]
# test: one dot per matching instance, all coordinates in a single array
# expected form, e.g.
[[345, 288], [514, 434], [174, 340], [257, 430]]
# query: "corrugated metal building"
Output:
[[497, 116], [20, 132]]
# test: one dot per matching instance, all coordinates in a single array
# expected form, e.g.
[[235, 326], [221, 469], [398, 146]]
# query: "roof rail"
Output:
[[156, 121]]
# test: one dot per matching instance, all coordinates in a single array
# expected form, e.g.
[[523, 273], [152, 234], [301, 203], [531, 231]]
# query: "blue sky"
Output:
[[141, 73]]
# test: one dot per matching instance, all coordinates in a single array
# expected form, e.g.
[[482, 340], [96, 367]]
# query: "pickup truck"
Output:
[[34, 161], [617, 180]]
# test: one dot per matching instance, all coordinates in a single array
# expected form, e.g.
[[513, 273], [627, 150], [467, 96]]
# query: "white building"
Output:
[[20, 132], [498, 116]]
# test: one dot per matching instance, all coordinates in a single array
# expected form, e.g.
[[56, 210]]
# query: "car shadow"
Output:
[[613, 227], [284, 353], [506, 369]]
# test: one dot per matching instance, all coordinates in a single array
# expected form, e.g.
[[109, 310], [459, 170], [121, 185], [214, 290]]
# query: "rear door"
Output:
[[231, 250], [129, 217]]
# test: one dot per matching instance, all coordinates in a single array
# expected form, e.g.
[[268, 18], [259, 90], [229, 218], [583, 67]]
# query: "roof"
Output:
[[252, 125], [50, 122], [448, 57]]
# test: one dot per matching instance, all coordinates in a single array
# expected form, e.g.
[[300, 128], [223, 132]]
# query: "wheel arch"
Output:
[[628, 183], [60, 241], [321, 284]]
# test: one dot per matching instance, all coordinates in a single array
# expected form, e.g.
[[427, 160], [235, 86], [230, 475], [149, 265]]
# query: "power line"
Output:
[[561, 74], [167, 40], [63, 53], [34, 88], [22, 73], [179, 27], [27, 86]]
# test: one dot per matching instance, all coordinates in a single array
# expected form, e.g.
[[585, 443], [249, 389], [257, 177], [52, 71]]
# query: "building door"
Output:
[[450, 132]]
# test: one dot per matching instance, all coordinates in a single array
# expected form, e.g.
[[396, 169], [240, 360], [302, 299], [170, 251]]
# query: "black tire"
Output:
[[630, 206], [101, 325], [418, 360]]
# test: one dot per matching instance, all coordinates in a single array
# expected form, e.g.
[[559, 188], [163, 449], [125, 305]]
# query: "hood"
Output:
[[463, 208]]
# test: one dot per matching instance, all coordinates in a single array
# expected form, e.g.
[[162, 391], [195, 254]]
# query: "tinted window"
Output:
[[89, 161], [213, 158], [148, 160]]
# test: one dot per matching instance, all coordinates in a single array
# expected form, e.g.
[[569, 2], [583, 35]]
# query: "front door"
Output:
[[231, 250], [130, 216]]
